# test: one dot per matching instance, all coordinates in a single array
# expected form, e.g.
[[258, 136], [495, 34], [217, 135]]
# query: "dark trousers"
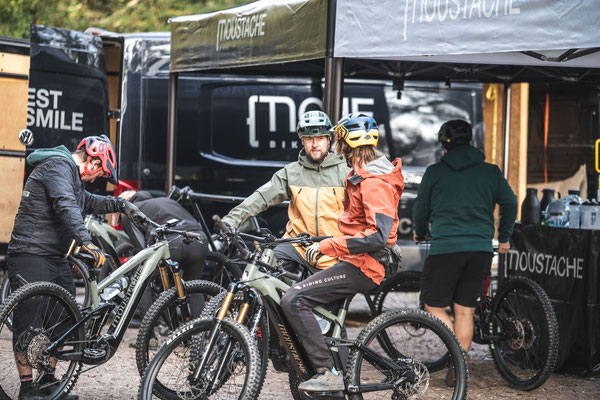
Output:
[[37, 311], [326, 286]]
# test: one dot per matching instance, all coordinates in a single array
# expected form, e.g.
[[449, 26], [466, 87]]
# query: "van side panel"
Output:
[[14, 70]]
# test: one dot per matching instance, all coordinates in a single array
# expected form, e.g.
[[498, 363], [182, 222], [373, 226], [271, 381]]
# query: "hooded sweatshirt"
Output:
[[50, 211], [458, 196], [370, 217], [316, 195]]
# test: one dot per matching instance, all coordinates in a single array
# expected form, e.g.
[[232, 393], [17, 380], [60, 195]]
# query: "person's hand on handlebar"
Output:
[[313, 253], [419, 239], [95, 252], [131, 211], [503, 248], [217, 229]]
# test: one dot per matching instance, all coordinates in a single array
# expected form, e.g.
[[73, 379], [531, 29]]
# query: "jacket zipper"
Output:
[[317, 202]]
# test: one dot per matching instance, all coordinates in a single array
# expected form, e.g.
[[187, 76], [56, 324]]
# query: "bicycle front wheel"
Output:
[[31, 318], [168, 313], [231, 369], [393, 359], [524, 321], [219, 269]]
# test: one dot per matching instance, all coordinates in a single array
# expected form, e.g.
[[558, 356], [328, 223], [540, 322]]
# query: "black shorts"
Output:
[[455, 278]]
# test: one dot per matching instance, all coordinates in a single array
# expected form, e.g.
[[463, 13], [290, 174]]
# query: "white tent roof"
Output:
[[510, 32]]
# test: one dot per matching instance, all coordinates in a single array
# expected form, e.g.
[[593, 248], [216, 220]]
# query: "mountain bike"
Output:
[[515, 319], [404, 353], [51, 331], [518, 323]]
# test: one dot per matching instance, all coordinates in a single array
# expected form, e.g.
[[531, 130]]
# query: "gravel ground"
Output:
[[118, 379]]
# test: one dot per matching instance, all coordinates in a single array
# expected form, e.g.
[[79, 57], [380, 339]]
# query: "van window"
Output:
[[416, 117]]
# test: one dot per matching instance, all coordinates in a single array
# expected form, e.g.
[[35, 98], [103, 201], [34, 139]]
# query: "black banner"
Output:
[[68, 95], [565, 263]]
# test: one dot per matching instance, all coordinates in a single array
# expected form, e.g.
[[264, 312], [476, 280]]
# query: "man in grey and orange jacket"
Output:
[[314, 185]]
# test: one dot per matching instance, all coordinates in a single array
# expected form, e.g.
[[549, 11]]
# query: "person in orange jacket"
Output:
[[369, 223]]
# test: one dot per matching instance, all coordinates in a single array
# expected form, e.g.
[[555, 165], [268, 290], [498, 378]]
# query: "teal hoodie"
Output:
[[43, 154], [458, 196]]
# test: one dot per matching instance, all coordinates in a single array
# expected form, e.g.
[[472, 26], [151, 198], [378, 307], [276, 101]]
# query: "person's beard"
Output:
[[320, 160]]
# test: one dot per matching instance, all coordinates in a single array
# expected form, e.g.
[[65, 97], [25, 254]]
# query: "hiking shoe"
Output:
[[30, 393], [323, 381]]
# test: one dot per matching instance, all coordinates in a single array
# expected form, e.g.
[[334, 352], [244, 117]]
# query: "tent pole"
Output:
[[334, 80], [171, 130], [506, 125]]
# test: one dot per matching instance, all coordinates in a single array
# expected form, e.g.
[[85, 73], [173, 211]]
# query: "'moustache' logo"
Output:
[[292, 348], [239, 28]]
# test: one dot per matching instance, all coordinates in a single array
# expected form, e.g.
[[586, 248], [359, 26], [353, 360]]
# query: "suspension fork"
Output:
[[217, 323]]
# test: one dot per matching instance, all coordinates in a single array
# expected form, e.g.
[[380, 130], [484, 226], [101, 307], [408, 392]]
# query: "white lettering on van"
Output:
[[43, 111], [286, 103]]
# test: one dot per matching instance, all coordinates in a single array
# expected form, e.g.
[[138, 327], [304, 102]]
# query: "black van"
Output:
[[233, 131]]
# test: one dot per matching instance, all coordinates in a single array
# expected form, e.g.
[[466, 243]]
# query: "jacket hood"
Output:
[[43, 154], [330, 160], [382, 168], [463, 157]]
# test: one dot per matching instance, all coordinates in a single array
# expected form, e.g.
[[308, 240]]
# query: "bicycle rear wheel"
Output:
[[525, 322], [400, 291], [409, 340], [42, 313], [183, 350]]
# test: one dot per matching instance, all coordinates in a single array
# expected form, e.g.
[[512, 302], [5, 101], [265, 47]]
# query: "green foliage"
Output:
[[113, 15]]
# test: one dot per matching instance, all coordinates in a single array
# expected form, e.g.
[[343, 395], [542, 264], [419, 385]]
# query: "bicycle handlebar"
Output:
[[141, 219]]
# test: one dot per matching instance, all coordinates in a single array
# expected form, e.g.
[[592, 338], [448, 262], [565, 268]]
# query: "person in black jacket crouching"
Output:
[[189, 254], [49, 217]]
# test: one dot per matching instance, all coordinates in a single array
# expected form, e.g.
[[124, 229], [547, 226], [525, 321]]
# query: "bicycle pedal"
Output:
[[94, 354]]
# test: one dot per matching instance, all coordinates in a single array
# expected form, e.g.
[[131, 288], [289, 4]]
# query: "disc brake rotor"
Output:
[[518, 338], [404, 389]]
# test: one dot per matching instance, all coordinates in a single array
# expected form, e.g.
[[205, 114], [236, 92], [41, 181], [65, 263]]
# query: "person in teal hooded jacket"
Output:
[[49, 217], [457, 196]]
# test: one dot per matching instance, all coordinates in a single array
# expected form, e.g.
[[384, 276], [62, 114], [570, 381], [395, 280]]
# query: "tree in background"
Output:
[[113, 15]]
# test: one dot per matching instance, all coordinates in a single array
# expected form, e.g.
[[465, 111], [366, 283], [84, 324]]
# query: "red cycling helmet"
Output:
[[100, 147]]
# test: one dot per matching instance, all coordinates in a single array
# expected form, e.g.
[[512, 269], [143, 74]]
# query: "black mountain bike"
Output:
[[404, 353], [518, 323]]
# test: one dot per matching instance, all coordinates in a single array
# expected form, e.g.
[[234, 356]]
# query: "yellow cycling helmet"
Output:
[[357, 129]]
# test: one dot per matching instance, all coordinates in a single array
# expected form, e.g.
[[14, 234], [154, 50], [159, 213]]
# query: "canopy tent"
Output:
[[445, 40]]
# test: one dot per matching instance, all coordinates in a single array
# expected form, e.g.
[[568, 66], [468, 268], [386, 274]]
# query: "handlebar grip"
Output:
[[220, 224], [192, 235], [319, 238]]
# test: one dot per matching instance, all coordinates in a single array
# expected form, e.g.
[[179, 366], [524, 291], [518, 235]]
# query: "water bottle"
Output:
[[574, 214], [114, 288], [530, 209], [547, 198], [323, 323], [557, 213]]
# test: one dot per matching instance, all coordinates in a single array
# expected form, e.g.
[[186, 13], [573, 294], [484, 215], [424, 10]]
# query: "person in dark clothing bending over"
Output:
[[190, 255], [49, 217], [458, 196], [369, 223]]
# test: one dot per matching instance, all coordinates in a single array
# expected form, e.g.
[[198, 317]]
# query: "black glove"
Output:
[[130, 210], [98, 255], [217, 229]]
